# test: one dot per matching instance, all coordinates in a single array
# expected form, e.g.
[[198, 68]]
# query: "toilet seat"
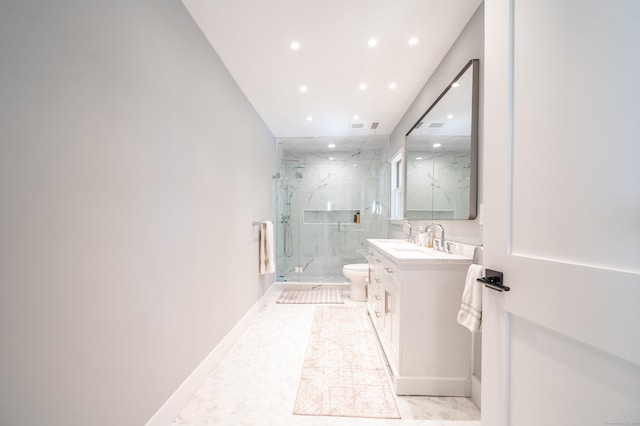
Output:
[[357, 267]]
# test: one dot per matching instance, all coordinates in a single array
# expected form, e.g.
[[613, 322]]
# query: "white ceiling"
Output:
[[253, 39]]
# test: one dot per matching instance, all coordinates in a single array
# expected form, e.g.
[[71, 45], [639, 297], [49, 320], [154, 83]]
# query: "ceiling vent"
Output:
[[356, 125], [374, 125], [436, 124]]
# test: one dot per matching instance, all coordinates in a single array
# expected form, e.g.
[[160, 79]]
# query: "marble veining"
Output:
[[435, 185], [257, 381]]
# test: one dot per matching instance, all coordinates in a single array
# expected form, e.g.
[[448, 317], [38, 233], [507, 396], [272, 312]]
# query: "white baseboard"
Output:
[[434, 386], [177, 401]]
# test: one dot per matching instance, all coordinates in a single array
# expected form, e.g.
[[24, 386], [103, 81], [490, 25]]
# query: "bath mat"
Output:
[[343, 373], [311, 296]]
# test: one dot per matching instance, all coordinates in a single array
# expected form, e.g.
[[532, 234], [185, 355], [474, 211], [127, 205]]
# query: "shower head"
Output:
[[298, 175], [276, 176]]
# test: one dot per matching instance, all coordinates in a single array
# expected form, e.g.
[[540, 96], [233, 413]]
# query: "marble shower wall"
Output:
[[439, 184], [320, 190]]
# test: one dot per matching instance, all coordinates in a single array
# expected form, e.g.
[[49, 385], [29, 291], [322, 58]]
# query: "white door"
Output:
[[562, 212]]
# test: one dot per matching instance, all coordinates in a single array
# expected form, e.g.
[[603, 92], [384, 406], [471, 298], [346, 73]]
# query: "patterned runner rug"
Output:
[[311, 296], [343, 373]]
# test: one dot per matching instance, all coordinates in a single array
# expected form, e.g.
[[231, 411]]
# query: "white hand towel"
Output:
[[470, 314], [267, 252]]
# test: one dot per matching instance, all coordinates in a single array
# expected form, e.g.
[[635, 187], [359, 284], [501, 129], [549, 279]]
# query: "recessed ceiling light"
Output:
[[295, 45], [413, 41], [392, 86], [331, 145], [418, 158], [309, 118], [436, 145], [331, 158], [303, 89], [356, 117], [450, 116], [456, 84], [372, 42], [363, 86]]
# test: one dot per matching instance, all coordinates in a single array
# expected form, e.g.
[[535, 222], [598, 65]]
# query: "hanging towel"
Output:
[[267, 252], [470, 314]]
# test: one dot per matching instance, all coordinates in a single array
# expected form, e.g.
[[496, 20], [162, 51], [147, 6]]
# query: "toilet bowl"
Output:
[[358, 273]]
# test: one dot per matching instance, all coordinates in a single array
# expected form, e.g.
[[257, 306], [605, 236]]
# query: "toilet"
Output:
[[358, 273]]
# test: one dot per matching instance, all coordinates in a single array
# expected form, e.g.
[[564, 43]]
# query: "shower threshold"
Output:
[[309, 285]]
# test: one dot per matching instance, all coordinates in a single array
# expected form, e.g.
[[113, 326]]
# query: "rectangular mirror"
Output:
[[442, 153]]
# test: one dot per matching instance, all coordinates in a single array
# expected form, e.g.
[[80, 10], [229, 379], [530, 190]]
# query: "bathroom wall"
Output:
[[325, 187], [131, 168], [469, 45]]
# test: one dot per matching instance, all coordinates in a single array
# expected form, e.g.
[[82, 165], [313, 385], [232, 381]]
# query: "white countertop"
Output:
[[404, 251]]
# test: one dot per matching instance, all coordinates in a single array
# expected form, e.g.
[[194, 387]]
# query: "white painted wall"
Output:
[[131, 168], [469, 45]]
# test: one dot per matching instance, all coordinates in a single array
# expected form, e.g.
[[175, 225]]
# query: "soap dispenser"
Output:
[[422, 236], [429, 238]]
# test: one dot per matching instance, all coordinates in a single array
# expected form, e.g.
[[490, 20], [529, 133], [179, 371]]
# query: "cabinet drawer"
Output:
[[375, 257], [390, 272], [376, 304]]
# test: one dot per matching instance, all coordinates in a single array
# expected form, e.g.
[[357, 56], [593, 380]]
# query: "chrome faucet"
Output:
[[442, 241], [406, 222]]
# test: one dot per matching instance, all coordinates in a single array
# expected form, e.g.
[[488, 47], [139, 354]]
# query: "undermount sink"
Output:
[[405, 250]]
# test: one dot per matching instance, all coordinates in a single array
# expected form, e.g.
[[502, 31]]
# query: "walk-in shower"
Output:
[[329, 201]]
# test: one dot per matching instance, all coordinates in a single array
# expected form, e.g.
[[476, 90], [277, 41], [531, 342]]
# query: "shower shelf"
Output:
[[330, 217]]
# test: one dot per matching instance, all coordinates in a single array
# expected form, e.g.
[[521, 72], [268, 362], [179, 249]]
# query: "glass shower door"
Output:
[[327, 207]]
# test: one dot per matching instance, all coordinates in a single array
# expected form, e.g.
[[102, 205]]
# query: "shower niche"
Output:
[[329, 200], [332, 217]]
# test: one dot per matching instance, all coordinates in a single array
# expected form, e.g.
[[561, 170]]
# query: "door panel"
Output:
[[575, 134], [582, 384], [562, 204], [593, 305]]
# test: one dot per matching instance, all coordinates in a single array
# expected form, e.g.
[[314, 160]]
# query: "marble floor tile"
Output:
[[256, 383]]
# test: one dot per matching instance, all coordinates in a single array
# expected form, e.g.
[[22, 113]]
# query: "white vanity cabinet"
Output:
[[413, 301], [383, 304]]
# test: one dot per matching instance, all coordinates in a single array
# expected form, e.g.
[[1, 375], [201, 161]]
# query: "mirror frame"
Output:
[[475, 102]]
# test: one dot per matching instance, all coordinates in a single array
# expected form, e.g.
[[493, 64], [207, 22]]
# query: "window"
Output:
[[397, 182]]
